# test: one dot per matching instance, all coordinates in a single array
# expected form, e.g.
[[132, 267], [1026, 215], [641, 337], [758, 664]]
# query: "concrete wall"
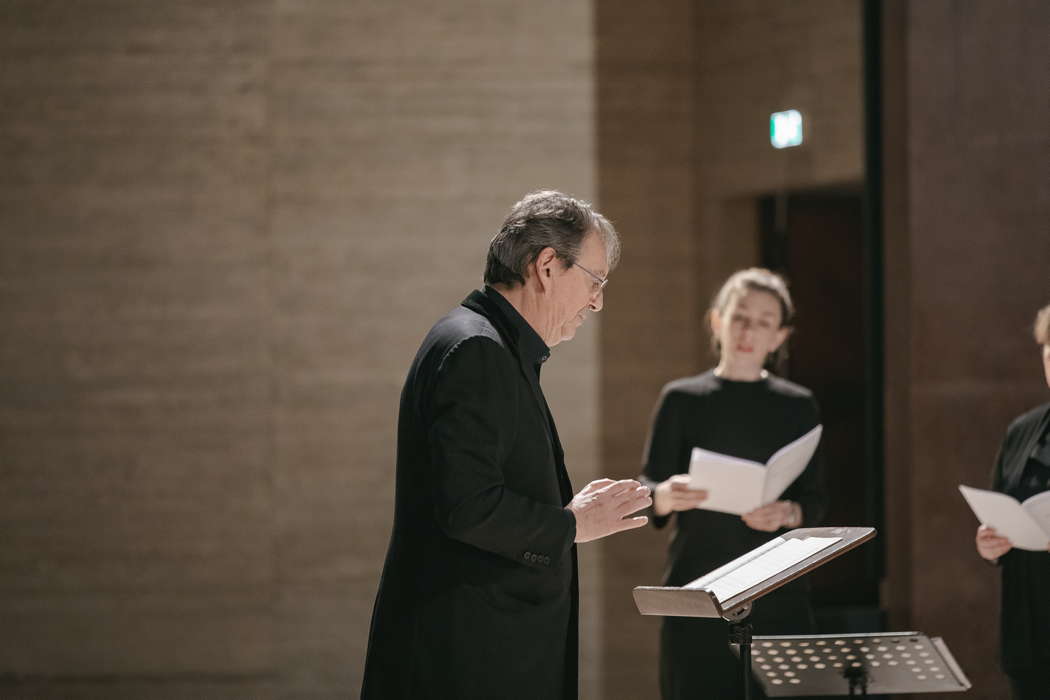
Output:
[[967, 245], [225, 227]]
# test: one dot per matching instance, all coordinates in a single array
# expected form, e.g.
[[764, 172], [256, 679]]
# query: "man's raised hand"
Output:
[[602, 507]]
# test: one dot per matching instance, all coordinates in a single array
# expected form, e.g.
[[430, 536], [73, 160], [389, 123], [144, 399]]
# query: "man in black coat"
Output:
[[479, 595]]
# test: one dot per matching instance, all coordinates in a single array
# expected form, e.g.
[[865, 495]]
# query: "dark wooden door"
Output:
[[817, 240]]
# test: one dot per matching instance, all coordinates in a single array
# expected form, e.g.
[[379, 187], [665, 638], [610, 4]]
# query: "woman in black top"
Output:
[[1022, 469], [740, 409]]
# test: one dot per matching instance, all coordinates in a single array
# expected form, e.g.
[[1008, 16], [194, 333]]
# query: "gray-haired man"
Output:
[[479, 594]]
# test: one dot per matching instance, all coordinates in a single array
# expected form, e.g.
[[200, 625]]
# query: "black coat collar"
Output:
[[531, 352], [1030, 429], [528, 345]]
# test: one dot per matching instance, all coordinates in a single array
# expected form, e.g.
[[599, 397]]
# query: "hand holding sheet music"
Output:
[[1026, 525], [739, 486]]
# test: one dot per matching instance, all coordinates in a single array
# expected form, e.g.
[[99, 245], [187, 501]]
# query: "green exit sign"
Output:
[[785, 129]]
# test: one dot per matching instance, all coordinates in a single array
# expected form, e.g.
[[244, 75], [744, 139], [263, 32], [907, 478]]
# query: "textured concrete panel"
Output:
[[226, 226], [136, 507], [394, 162]]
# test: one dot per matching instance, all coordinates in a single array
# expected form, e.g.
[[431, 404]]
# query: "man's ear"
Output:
[[545, 267]]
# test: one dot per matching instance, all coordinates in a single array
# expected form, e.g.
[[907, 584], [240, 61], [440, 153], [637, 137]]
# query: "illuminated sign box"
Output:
[[785, 129]]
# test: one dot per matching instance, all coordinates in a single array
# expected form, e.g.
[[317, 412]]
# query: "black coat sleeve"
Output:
[[809, 490], [664, 454], [1008, 446], [998, 478], [472, 430]]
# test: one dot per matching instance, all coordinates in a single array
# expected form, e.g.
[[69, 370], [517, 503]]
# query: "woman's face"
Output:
[[749, 329]]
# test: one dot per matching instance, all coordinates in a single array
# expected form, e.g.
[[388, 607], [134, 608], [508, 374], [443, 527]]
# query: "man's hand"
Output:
[[602, 506], [774, 516], [675, 494], [990, 545]]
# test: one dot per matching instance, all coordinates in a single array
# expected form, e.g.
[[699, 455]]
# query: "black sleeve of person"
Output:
[[666, 453], [999, 478], [810, 490], [473, 428]]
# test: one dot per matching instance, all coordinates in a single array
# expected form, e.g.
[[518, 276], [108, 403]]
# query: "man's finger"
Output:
[[615, 488], [598, 484], [632, 505], [632, 523], [628, 498], [621, 489], [644, 497]]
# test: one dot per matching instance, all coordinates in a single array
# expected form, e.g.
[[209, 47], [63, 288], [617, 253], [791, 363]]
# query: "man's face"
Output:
[[578, 293]]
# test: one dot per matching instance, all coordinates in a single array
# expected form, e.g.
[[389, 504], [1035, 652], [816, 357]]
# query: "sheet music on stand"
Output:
[[729, 590], [760, 565], [880, 663]]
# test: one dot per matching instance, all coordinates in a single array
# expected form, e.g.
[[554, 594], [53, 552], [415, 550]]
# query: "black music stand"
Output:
[[882, 663], [730, 591]]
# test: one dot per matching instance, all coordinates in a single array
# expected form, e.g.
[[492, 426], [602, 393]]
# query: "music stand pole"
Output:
[[740, 633], [857, 677]]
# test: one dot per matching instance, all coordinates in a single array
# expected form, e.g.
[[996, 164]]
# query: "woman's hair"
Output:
[[755, 279], [1041, 328]]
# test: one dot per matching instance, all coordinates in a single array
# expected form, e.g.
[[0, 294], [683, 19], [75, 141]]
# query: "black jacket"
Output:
[[479, 595], [1024, 633]]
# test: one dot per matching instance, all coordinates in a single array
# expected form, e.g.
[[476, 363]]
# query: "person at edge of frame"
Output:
[[1022, 469]]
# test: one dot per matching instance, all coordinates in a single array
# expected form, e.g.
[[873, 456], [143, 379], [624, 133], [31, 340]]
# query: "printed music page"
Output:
[[738, 486], [760, 565], [1026, 525]]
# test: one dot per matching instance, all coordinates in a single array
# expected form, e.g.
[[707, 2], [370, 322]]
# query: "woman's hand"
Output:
[[675, 494], [774, 516], [990, 545]]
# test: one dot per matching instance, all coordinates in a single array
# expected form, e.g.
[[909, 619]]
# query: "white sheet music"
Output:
[[759, 565], [738, 486], [1026, 525], [705, 580]]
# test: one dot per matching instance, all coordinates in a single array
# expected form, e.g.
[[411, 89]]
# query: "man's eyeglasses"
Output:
[[599, 281]]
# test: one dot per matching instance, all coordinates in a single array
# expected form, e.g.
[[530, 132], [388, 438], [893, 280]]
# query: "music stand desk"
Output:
[[674, 601], [701, 600], [881, 663]]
